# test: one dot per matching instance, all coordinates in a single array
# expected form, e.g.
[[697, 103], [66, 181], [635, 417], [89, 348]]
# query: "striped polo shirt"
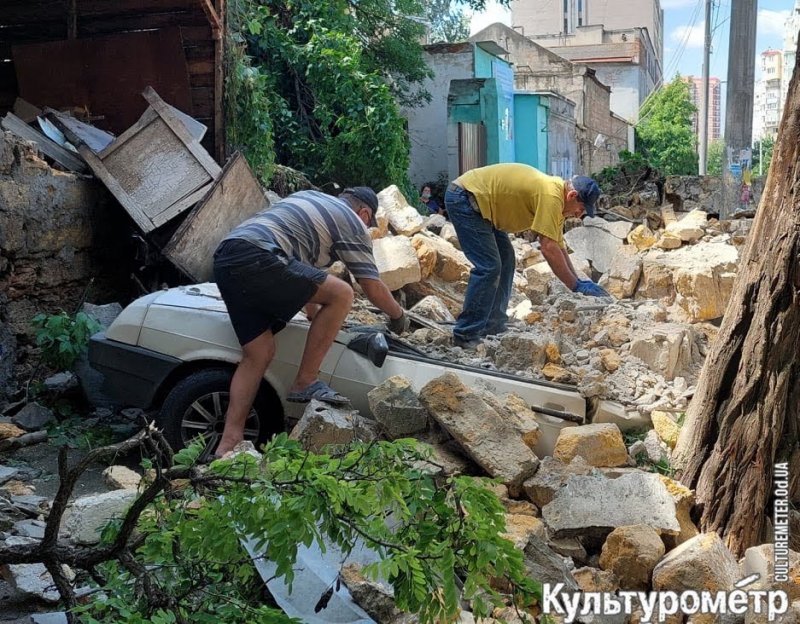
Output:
[[313, 228]]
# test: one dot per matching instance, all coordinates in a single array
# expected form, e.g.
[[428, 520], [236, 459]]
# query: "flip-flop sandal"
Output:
[[320, 391]]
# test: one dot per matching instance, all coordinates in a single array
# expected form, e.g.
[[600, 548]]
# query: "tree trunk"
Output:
[[744, 415]]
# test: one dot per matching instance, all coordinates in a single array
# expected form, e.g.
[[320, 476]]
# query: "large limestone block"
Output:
[[594, 506], [666, 348], [521, 351], [397, 261], [86, 517], [624, 272], [666, 427], [403, 218], [322, 425], [631, 552], [434, 309], [702, 563], [595, 242], [684, 502], [552, 475], [642, 237], [450, 293], [691, 228], [484, 434], [121, 478], [450, 264], [600, 444], [395, 405]]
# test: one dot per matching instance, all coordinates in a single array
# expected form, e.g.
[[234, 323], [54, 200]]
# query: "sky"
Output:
[[684, 26]]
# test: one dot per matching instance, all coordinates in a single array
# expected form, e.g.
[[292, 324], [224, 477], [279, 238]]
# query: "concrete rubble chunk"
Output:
[[30, 581], [520, 528], [667, 348], [33, 417], [397, 261], [631, 553], [434, 223], [518, 351], [691, 228], [703, 562], [403, 218], [654, 448], [396, 406], [484, 434], [642, 237], [547, 566], [434, 309], [624, 271], [599, 444], [61, 382], [29, 528], [448, 233], [449, 263], [7, 473], [323, 424], [86, 517], [669, 240], [594, 505], [121, 478], [595, 242], [552, 475], [666, 427], [616, 413]]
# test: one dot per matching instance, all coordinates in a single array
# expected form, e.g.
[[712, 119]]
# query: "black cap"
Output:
[[368, 197], [588, 192]]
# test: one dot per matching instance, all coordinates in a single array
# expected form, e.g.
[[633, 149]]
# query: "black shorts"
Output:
[[262, 289]]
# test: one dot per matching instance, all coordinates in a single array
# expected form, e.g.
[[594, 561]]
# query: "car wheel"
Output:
[[197, 404]]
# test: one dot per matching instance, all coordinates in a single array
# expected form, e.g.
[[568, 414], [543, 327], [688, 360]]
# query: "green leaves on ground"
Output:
[[439, 541], [63, 338]]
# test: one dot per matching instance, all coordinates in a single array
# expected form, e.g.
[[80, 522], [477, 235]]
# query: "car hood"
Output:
[[197, 297]]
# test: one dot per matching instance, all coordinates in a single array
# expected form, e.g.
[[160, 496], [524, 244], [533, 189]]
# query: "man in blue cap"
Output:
[[487, 203]]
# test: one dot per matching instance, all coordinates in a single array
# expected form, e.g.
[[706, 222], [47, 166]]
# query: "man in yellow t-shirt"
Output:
[[487, 203]]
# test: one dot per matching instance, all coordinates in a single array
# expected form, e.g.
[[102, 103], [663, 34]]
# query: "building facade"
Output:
[[791, 30], [714, 105], [768, 91], [622, 41]]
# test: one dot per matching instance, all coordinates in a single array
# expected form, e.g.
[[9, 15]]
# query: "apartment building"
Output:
[[767, 104], [714, 105]]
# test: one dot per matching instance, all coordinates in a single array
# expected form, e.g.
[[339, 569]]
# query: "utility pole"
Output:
[[704, 96], [739, 107]]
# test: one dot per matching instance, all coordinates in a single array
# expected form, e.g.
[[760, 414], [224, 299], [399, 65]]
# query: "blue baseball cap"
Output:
[[588, 192]]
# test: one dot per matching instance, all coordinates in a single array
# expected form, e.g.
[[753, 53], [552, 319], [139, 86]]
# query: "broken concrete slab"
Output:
[[403, 218], [86, 517], [595, 242], [551, 476], [397, 408], [600, 444], [397, 261], [323, 424], [594, 505], [483, 433]]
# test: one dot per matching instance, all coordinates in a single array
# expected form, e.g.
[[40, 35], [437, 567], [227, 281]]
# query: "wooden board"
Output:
[[105, 74], [156, 168], [67, 159], [78, 132], [235, 197]]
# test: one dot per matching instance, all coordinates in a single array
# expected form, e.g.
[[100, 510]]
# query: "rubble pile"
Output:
[[643, 351]]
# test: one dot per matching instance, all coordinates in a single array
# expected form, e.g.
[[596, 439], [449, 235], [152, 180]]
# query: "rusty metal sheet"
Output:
[[105, 74]]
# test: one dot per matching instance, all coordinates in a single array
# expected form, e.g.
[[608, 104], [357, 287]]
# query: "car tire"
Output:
[[202, 397]]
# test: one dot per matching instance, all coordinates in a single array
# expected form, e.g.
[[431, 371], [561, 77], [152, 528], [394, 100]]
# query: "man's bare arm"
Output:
[[377, 292], [559, 261]]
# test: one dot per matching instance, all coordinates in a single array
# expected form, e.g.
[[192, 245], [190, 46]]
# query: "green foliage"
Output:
[[623, 178], [762, 151], [63, 338], [448, 21], [664, 134], [715, 158], [76, 432], [439, 542]]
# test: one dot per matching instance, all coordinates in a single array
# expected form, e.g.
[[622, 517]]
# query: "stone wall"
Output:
[[686, 193], [58, 230]]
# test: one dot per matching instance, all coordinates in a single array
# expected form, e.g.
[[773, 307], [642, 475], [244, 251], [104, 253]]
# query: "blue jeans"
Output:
[[492, 275]]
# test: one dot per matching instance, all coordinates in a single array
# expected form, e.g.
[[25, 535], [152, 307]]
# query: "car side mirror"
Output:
[[372, 345]]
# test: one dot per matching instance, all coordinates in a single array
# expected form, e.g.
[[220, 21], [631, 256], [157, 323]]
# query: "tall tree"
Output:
[[448, 21], [762, 153], [744, 414], [716, 157], [664, 133]]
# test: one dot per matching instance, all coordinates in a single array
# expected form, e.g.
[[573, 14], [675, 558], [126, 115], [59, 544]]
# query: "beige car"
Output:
[[175, 351]]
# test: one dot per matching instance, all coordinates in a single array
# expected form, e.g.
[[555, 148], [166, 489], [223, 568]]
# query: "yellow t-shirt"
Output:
[[517, 197]]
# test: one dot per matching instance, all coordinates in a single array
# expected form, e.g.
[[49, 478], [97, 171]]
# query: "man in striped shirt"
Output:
[[269, 267]]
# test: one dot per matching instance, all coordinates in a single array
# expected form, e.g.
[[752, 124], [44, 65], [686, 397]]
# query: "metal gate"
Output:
[[471, 146]]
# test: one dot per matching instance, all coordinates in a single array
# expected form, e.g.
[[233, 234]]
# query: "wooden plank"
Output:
[[168, 115], [178, 207], [26, 111], [201, 80], [235, 196], [91, 26], [219, 85], [194, 35], [47, 146], [148, 116], [111, 183], [79, 133], [203, 101], [200, 67]]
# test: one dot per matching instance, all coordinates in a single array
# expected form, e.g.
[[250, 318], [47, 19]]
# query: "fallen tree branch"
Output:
[[26, 439]]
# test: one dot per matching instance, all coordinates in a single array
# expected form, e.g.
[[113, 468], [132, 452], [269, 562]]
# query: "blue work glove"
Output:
[[589, 288]]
